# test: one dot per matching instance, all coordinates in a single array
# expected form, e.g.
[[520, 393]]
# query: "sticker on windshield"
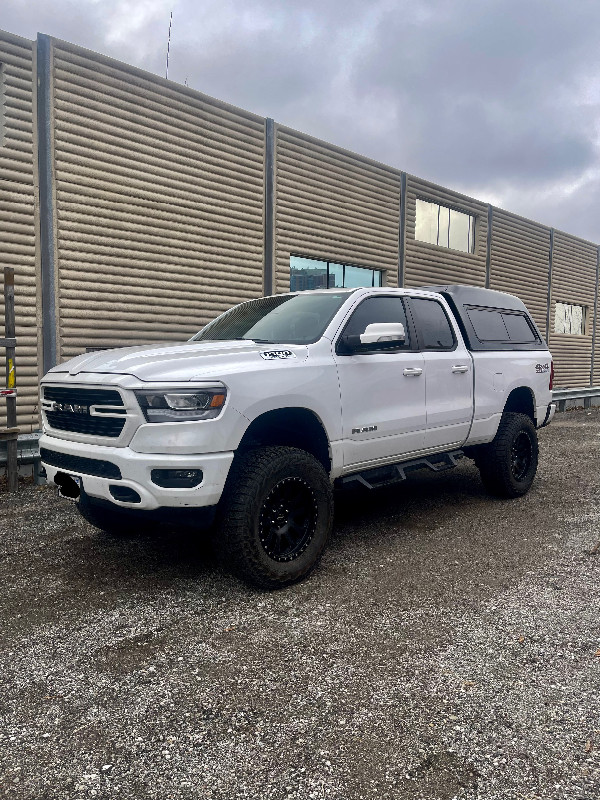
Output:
[[270, 355]]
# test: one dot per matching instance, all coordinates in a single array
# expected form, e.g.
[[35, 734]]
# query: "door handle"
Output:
[[412, 372], [459, 368]]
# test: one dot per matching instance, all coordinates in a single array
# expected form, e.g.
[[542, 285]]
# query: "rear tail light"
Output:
[[551, 386]]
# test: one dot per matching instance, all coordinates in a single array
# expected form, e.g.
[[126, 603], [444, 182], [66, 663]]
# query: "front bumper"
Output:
[[135, 471]]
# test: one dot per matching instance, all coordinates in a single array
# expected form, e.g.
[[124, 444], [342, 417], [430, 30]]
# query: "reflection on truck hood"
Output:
[[187, 361]]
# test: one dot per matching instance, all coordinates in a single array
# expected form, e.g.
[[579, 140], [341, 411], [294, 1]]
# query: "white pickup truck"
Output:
[[248, 426]]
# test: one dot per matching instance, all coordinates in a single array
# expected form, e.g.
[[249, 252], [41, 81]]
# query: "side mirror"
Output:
[[377, 336], [389, 332]]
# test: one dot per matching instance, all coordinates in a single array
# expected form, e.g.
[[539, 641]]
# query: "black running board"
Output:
[[394, 473]]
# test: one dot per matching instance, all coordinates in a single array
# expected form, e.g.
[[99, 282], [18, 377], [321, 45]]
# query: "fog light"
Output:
[[177, 478]]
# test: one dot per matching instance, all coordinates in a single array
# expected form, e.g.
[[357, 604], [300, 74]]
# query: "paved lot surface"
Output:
[[447, 647]]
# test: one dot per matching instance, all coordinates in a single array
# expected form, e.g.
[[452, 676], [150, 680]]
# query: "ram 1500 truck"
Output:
[[249, 425]]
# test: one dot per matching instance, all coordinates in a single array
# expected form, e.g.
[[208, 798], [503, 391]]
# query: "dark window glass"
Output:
[[377, 309], [488, 325], [282, 319], [433, 325], [519, 329]]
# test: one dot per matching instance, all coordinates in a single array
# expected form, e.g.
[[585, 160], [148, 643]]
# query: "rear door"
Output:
[[382, 393], [448, 374]]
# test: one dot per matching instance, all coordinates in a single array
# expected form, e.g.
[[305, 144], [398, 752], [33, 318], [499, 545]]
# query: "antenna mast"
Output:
[[169, 45]]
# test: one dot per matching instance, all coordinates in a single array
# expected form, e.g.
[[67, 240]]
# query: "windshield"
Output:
[[287, 319]]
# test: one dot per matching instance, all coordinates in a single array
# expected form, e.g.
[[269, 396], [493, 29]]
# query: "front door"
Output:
[[382, 393]]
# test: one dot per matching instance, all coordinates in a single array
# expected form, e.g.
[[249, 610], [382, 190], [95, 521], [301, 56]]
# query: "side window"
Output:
[[433, 324], [519, 329], [493, 325], [488, 325], [377, 309]]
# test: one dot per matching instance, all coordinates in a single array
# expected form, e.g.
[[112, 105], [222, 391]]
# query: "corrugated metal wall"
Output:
[[596, 373], [429, 264], [519, 262], [573, 281], [159, 194], [332, 204], [160, 204], [17, 218]]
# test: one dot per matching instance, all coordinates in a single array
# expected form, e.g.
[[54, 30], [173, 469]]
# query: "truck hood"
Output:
[[187, 361]]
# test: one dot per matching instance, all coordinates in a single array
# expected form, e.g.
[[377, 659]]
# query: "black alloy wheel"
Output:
[[288, 519], [275, 516], [521, 453]]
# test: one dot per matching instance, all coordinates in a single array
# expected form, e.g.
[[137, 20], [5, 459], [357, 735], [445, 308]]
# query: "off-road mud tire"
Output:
[[255, 478], [508, 464]]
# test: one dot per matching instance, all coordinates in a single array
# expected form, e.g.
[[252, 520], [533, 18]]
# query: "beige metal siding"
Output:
[[332, 204], [573, 281], [596, 375], [17, 219], [429, 264], [519, 263], [159, 195]]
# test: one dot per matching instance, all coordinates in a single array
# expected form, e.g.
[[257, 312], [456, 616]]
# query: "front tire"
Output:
[[509, 463], [276, 516]]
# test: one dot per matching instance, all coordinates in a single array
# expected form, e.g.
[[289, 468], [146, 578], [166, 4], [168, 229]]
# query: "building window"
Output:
[[444, 226], [569, 318], [311, 273]]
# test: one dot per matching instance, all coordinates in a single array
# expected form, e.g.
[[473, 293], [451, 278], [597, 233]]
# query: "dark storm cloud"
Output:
[[499, 98]]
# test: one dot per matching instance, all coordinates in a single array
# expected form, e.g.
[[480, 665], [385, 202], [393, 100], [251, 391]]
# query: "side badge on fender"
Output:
[[270, 355]]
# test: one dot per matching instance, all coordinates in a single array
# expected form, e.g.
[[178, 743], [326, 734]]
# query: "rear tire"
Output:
[[508, 464], [276, 516]]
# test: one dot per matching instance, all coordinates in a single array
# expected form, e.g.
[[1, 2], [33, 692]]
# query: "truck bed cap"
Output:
[[461, 298]]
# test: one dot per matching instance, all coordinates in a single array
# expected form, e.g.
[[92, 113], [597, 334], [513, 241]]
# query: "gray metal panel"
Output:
[[402, 231], [18, 173], [269, 205], [488, 249], [46, 195]]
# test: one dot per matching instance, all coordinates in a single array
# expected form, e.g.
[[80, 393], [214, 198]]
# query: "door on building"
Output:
[[448, 369], [382, 393]]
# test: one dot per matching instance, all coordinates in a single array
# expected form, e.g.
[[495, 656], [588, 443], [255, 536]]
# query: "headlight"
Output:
[[181, 405]]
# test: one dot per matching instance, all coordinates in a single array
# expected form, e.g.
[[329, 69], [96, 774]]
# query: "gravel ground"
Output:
[[448, 646]]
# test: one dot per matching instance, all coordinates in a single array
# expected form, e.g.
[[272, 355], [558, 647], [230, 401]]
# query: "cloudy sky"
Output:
[[497, 98]]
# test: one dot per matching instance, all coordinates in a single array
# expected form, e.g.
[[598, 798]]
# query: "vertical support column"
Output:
[[46, 200], [402, 231], [268, 274], [549, 298], [595, 322], [488, 246]]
